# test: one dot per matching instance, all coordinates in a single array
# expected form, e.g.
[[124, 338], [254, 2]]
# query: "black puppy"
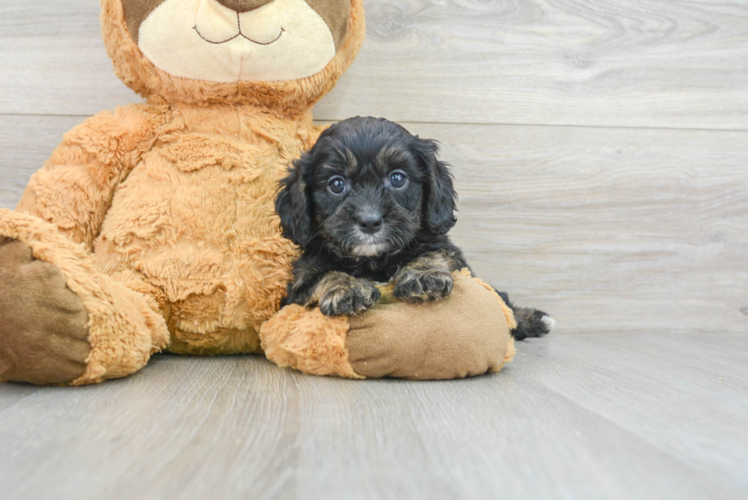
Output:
[[372, 203]]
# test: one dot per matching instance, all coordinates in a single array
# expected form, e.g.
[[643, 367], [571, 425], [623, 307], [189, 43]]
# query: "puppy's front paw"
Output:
[[345, 295], [420, 285]]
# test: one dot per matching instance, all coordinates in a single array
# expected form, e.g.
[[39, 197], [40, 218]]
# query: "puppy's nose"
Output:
[[242, 6], [370, 223]]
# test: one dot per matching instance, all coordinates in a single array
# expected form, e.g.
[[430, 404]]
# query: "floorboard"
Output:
[[678, 64], [600, 151], [575, 416]]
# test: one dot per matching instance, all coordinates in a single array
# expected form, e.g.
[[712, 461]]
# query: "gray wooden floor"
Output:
[[576, 416], [601, 155]]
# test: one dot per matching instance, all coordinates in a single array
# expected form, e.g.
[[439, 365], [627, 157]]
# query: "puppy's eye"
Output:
[[336, 185], [398, 179]]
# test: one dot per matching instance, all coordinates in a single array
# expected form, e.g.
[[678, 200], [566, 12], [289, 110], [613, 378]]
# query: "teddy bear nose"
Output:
[[370, 223], [241, 6]]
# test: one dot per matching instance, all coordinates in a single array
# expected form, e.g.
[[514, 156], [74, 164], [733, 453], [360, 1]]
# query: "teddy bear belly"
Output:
[[206, 244]]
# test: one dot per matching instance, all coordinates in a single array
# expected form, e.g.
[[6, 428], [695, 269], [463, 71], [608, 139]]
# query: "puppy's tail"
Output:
[[530, 322]]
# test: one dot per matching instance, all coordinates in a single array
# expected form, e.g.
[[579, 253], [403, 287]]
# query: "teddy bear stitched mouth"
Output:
[[239, 34]]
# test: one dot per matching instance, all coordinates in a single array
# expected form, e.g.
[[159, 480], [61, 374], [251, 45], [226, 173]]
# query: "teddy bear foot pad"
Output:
[[43, 324]]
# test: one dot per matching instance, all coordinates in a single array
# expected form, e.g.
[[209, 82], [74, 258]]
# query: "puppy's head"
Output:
[[366, 188]]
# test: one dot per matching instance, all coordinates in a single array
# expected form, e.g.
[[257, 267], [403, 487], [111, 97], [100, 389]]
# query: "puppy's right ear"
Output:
[[292, 205]]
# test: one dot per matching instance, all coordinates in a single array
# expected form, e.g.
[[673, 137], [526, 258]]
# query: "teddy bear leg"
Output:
[[61, 320], [43, 324]]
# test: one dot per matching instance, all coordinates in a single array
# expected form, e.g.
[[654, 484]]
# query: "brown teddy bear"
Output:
[[153, 228]]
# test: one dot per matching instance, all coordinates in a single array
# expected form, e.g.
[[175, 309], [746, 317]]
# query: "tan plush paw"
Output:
[[60, 312], [43, 324], [465, 334]]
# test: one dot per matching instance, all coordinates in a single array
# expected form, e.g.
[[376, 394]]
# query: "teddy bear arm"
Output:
[[465, 334], [74, 188]]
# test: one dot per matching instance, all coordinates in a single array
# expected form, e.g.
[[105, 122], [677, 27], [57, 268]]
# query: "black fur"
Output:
[[343, 204]]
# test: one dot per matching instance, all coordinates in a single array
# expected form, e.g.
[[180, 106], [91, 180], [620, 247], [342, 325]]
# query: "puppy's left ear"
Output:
[[292, 205], [439, 194]]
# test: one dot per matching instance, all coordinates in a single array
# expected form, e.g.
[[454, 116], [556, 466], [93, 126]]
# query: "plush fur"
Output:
[[166, 209], [371, 203], [153, 227]]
